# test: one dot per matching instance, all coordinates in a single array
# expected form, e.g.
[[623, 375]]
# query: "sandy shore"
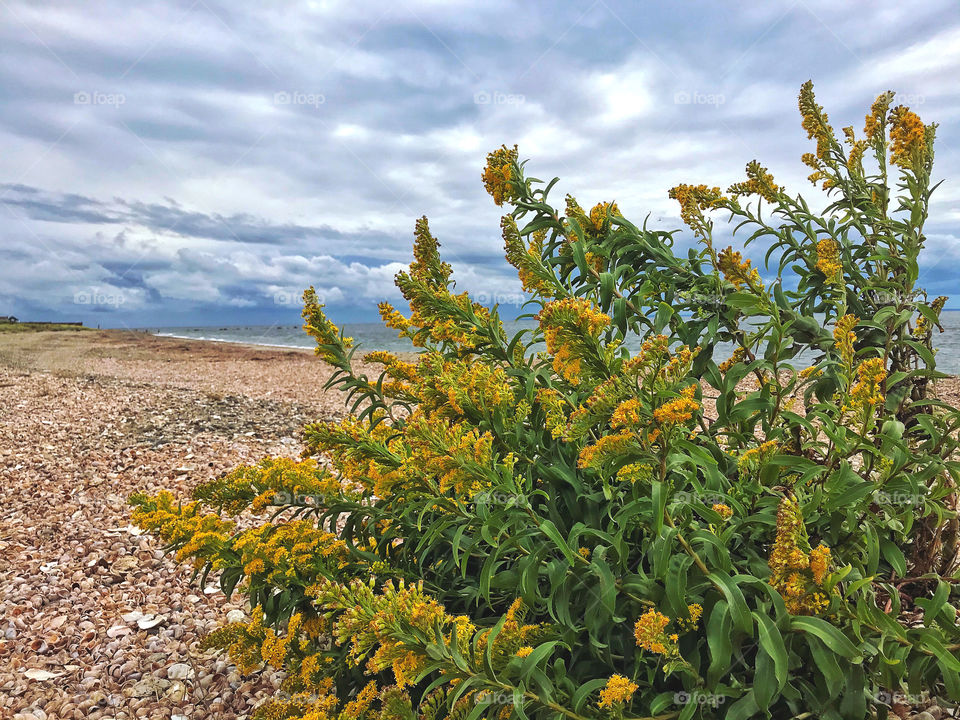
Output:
[[95, 621]]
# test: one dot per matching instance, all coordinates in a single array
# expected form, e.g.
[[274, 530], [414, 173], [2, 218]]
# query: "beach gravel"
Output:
[[95, 620]]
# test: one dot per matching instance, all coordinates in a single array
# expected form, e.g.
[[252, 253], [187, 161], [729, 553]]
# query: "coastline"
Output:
[[95, 620]]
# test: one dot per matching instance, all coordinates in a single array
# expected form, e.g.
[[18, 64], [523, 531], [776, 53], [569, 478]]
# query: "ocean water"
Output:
[[374, 336]]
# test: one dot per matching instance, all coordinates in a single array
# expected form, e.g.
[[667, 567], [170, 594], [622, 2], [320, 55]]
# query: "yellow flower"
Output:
[[732, 360], [392, 318], [649, 632], [571, 327], [524, 651], [908, 137], [820, 563], [497, 174], [527, 258], [828, 259], [758, 182], [815, 121], [696, 612], [635, 472], [330, 345], [694, 199], [736, 270], [875, 121], [796, 574], [600, 216], [866, 396], [608, 447], [922, 327], [723, 511], [627, 414], [844, 337], [753, 458], [679, 410], [618, 690]]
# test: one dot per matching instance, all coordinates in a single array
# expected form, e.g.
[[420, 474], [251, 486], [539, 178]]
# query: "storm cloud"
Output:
[[202, 162]]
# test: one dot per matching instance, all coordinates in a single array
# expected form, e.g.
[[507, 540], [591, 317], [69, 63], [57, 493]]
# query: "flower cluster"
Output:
[[723, 510], [272, 481], [828, 259], [693, 200], [754, 458], [866, 395], [498, 173], [600, 215], [331, 344], [908, 137], [795, 572], [815, 122], [844, 338], [736, 357], [650, 632], [737, 270], [571, 329], [678, 411], [607, 449], [197, 535], [635, 472], [758, 182], [617, 691], [527, 258], [876, 119], [292, 550]]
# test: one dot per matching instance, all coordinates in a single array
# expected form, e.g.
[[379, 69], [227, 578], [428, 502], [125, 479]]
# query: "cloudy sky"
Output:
[[179, 162]]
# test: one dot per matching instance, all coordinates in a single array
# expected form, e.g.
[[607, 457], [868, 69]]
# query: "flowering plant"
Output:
[[599, 517]]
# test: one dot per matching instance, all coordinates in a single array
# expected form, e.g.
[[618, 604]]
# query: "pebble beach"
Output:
[[95, 620]]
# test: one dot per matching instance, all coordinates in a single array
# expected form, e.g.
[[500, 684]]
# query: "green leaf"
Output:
[[742, 619], [664, 313], [550, 530], [831, 636], [771, 642]]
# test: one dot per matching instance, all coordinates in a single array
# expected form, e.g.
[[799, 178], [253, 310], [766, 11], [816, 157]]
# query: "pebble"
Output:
[[85, 594], [180, 671]]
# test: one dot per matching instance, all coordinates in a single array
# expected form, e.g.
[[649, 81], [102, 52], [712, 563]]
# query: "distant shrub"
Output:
[[502, 532]]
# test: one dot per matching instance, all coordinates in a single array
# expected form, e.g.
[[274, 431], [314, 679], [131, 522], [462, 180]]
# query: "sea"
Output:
[[374, 336]]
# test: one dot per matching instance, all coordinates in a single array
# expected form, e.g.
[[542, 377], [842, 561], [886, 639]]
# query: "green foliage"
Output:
[[588, 532]]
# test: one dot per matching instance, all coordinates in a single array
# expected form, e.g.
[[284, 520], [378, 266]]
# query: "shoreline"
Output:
[[96, 621], [231, 342]]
